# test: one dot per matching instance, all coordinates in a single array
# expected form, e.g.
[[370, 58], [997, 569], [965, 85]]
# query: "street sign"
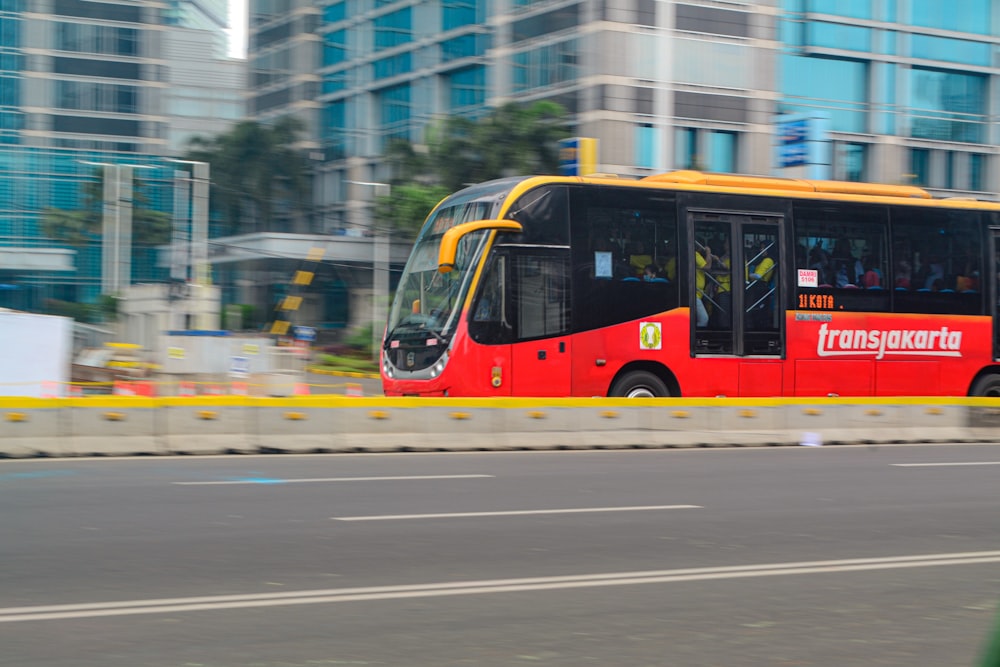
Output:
[[304, 333], [239, 367]]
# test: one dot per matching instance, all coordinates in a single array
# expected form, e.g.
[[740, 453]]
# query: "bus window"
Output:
[[624, 255], [490, 323], [841, 257], [713, 286], [938, 261]]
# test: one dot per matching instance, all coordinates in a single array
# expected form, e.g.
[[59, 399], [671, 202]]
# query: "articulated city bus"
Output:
[[693, 284]]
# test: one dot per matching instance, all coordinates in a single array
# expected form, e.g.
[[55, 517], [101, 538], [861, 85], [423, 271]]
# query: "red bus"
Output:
[[693, 284]]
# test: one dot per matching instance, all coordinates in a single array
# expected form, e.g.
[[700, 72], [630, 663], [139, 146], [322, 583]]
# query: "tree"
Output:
[[512, 140], [406, 208], [255, 170], [80, 227]]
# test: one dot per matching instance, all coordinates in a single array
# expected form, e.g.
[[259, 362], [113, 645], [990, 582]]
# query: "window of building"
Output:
[[721, 151], [947, 105], [335, 12], [967, 16], [961, 51], [686, 148], [838, 36], [456, 13], [90, 96], [467, 88], [335, 47], [952, 170], [977, 163], [647, 141], [920, 166], [392, 66], [103, 39], [548, 65], [395, 113], [833, 86], [706, 150], [850, 161], [393, 29], [859, 9], [464, 46]]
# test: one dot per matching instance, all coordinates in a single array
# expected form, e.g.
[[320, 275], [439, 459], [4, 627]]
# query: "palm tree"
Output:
[[254, 167], [82, 226]]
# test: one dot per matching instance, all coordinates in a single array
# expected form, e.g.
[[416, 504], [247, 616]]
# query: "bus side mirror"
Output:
[[449, 242]]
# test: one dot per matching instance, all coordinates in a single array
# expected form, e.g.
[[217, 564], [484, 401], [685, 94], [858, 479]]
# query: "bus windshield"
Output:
[[428, 303]]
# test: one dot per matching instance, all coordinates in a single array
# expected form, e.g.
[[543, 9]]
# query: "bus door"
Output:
[[736, 301], [540, 354]]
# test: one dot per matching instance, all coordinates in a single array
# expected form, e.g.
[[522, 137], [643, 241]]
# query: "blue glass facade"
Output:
[[374, 61], [834, 86], [899, 77], [11, 66], [947, 105], [35, 180]]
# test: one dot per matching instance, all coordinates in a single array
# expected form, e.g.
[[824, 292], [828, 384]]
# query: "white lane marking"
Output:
[[489, 586], [942, 465], [453, 515], [308, 480]]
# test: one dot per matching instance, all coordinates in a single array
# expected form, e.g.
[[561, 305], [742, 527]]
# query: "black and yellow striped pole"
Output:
[[290, 303]]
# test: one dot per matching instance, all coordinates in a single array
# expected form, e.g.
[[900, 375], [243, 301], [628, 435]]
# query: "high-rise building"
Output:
[[211, 15], [907, 88], [890, 90], [89, 91]]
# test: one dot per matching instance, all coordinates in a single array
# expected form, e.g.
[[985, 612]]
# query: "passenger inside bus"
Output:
[[702, 259]]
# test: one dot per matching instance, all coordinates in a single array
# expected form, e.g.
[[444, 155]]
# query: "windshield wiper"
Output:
[[408, 327]]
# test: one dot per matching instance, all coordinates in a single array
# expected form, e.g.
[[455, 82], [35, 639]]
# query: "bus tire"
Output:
[[639, 384], [988, 385]]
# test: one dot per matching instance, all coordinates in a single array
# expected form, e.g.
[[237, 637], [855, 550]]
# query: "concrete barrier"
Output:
[[137, 425]]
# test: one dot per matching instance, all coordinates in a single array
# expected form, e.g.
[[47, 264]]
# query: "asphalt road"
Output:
[[789, 557]]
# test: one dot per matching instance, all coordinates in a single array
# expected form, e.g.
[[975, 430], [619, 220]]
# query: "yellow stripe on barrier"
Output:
[[934, 411], [460, 415], [207, 414], [609, 414], [295, 416], [16, 417], [537, 414], [873, 412], [378, 414], [680, 414], [812, 412], [114, 416], [748, 414]]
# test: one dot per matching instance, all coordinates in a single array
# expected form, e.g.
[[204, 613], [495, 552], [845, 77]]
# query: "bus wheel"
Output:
[[988, 385], [639, 384]]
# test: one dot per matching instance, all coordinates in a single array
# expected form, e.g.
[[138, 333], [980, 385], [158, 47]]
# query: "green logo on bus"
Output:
[[650, 336]]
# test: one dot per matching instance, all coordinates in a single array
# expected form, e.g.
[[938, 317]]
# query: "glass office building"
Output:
[[85, 85], [906, 89], [909, 87]]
